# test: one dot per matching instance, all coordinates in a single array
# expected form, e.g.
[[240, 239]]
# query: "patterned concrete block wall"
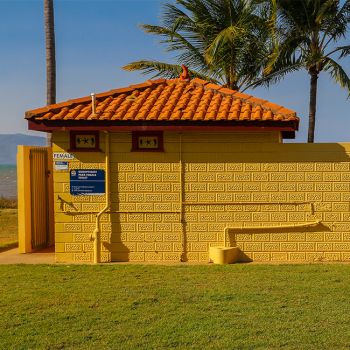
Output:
[[248, 182]]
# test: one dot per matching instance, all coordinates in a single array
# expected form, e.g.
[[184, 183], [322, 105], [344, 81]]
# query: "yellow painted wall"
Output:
[[235, 180]]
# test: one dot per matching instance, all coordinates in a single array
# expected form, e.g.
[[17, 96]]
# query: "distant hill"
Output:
[[9, 143]]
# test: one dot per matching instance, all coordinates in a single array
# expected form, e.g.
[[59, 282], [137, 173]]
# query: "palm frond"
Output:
[[343, 50], [163, 70], [288, 51], [324, 11], [338, 73], [187, 52], [226, 37], [274, 77], [282, 67], [336, 24], [170, 37]]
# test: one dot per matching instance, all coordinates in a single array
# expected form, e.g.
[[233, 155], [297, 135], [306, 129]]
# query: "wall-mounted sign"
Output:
[[63, 155], [84, 141], [148, 142], [87, 182], [151, 141], [59, 166]]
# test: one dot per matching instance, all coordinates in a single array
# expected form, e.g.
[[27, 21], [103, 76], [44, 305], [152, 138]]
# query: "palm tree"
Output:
[[50, 55], [308, 31], [223, 41]]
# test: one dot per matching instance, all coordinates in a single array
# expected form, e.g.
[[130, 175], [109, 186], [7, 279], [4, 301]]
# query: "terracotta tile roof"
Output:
[[170, 101]]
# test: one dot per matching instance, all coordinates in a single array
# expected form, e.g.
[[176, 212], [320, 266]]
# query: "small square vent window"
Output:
[[84, 141], [147, 141]]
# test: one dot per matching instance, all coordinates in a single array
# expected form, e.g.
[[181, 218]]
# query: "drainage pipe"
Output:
[[181, 174], [304, 224], [96, 236], [181, 202], [68, 212]]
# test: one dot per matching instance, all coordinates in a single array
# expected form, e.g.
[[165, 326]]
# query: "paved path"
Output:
[[12, 256]]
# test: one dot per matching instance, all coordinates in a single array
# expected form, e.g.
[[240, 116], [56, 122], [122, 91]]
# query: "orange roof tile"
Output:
[[168, 100]]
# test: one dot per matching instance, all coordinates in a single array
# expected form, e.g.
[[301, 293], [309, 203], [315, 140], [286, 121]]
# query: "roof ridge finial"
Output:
[[185, 75]]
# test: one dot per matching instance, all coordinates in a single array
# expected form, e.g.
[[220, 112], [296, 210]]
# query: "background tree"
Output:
[[50, 55], [307, 32], [223, 41]]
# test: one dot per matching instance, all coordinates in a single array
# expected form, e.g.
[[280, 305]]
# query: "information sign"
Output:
[[87, 182], [61, 165]]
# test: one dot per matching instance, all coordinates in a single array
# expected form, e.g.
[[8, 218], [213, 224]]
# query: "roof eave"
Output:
[[287, 128]]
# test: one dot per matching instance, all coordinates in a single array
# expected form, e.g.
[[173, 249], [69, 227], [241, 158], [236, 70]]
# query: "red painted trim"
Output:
[[135, 141], [180, 128], [39, 127]]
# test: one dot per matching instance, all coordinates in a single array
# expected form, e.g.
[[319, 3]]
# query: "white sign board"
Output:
[[59, 166]]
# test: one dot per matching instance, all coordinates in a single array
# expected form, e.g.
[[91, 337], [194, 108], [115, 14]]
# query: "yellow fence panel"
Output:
[[35, 207]]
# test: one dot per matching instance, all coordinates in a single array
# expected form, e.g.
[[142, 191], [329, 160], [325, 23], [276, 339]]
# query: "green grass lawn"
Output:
[[175, 307], [8, 228]]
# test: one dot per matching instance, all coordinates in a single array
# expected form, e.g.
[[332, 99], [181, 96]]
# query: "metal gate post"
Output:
[[50, 194]]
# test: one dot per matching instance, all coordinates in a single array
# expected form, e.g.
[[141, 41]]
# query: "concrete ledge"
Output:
[[223, 255]]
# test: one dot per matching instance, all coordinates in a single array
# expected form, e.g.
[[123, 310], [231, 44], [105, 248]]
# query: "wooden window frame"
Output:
[[135, 143], [73, 146]]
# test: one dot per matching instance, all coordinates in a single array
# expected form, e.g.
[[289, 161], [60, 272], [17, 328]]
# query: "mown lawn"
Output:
[[8, 228], [175, 307]]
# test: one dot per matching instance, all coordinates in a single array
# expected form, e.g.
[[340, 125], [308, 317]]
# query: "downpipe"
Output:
[[96, 236], [287, 226]]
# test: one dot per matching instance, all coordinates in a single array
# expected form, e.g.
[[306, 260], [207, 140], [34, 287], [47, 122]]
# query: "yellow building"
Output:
[[167, 169]]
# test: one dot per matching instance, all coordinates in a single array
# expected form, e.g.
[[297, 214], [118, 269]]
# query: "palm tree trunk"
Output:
[[312, 106], [50, 56]]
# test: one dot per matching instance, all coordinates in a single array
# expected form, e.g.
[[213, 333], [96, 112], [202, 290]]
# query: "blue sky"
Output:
[[94, 39]]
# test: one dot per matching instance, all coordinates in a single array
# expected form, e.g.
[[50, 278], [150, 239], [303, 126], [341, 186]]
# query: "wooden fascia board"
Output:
[[287, 128]]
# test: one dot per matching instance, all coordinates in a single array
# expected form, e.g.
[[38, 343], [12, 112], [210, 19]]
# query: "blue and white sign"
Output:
[[87, 182], [59, 166]]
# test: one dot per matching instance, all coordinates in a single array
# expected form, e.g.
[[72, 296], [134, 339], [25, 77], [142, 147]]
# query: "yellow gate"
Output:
[[35, 211]]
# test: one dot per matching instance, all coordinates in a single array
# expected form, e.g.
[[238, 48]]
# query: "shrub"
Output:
[[8, 203]]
